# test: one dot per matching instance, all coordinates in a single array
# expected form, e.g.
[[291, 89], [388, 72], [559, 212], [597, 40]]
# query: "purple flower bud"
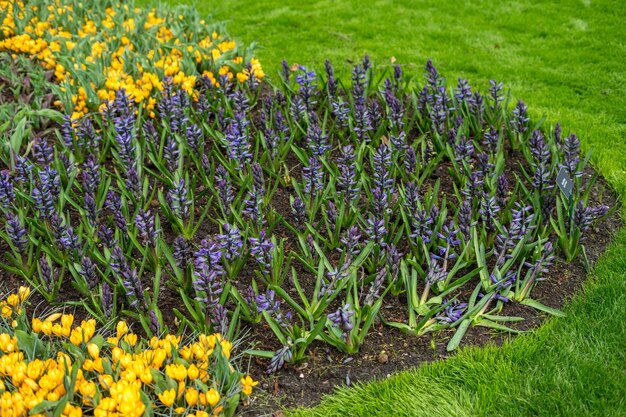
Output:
[[313, 176], [331, 84], [496, 92], [464, 92], [435, 273], [382, 164], [380, 205], [299, 213], [182, 252], [422, 226], [282, 356], [520, 117], [134, 289], [464, 150], [502, 190], [346, 180], [106, 235], [45, 193], [66, 131], [452, 312], [584, 217], [150, 133], [376, 230], [89, 273], [177, 198], [317, 140], [557, 135], [193, 134], [23, 168], [237, 139], [171, 153], [341, 319], [148, 233], [393, 258], [331, 215], [341, 111], [261, 249], [410, 160], [18, 234], [308, 87], [350, 239], [43, 152], [107, 299], [377, 284], [571, 153], [267, 302], [46, 274], [231, 242], [154, 323], [224, 188], [432, 75], [491, 139], [7, 193], [91, 174], [464, 220], [488, 212], [286, 71]]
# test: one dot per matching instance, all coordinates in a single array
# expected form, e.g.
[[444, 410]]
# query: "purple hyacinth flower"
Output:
[[452, 312], [89, 273], [520, 117], [178, 201], [313, 176], [7, 192], [299, 213], [231, 242], [107, 299], [261, 249], [281, 356], [342, 319], [18, 234], [145, 223]]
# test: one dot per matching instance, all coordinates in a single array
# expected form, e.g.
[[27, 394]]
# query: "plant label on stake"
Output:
[[565, 183]]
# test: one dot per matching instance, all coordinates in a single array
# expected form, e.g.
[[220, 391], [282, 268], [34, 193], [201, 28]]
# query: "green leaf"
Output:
[[542, 307], [458, 336]]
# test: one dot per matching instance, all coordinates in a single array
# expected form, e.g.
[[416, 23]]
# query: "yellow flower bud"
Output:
[[168, 397], [93, 350], [191, 396]]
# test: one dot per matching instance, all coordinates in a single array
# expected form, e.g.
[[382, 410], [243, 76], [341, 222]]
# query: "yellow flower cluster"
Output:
[[116, 376], [96, 50]]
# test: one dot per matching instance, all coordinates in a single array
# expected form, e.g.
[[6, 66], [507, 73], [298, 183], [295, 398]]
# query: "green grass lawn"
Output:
[[568, 62]]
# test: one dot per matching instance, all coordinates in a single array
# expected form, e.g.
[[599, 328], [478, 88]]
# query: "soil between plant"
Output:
[[386, 350]]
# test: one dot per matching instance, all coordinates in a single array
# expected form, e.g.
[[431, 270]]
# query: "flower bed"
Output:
[[97, 48], [59, 367], [302, 209]]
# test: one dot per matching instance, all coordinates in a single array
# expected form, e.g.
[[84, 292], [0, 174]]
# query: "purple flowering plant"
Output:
[[305, 205]]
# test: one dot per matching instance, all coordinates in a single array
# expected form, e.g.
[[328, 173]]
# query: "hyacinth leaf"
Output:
[[303, 312], [504, 319], [458, 336], [483, 322], [479, 249], [260, 353], [278, 331], [542, 307]]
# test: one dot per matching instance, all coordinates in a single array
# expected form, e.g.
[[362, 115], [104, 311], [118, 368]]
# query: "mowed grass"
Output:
[[567, 60]]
